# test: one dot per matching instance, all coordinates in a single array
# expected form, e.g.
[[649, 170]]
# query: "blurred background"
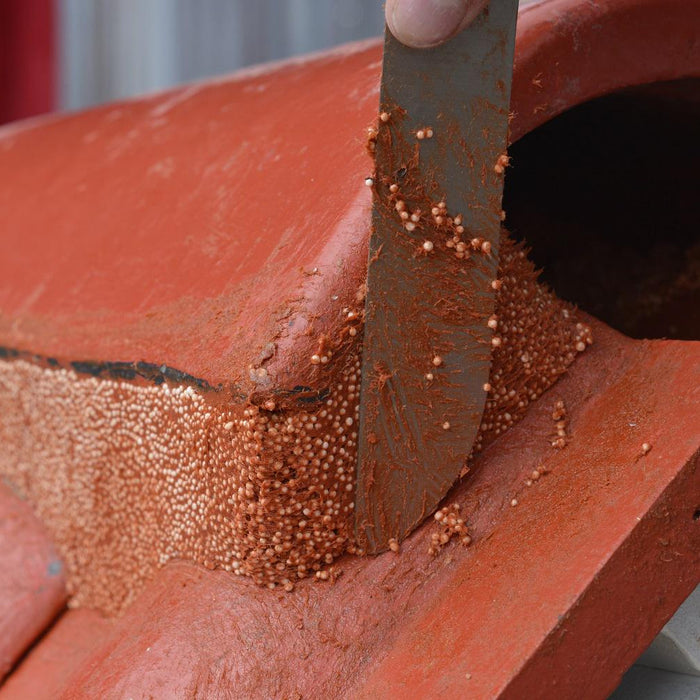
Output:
[[70, 54]]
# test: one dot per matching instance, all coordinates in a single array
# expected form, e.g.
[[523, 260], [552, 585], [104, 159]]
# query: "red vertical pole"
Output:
[[27, 58]]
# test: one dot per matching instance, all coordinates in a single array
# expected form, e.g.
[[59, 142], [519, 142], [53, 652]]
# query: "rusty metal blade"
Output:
[[427, 345]]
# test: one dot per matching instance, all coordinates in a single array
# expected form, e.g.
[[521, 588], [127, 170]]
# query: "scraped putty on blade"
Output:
[[433, 261]]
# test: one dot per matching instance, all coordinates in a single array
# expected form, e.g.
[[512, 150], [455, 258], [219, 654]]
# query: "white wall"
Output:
[[117, 48]]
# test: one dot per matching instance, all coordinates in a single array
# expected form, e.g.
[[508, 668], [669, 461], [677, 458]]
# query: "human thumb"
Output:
[[426, 23]]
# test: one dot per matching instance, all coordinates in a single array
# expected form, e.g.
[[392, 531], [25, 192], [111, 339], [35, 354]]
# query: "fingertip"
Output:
[[426, 23]]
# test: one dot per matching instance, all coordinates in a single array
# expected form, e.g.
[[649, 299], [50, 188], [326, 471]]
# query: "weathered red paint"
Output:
[[575, 581], [32, 584], [65, 646], [558, 595], [163, 219]]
